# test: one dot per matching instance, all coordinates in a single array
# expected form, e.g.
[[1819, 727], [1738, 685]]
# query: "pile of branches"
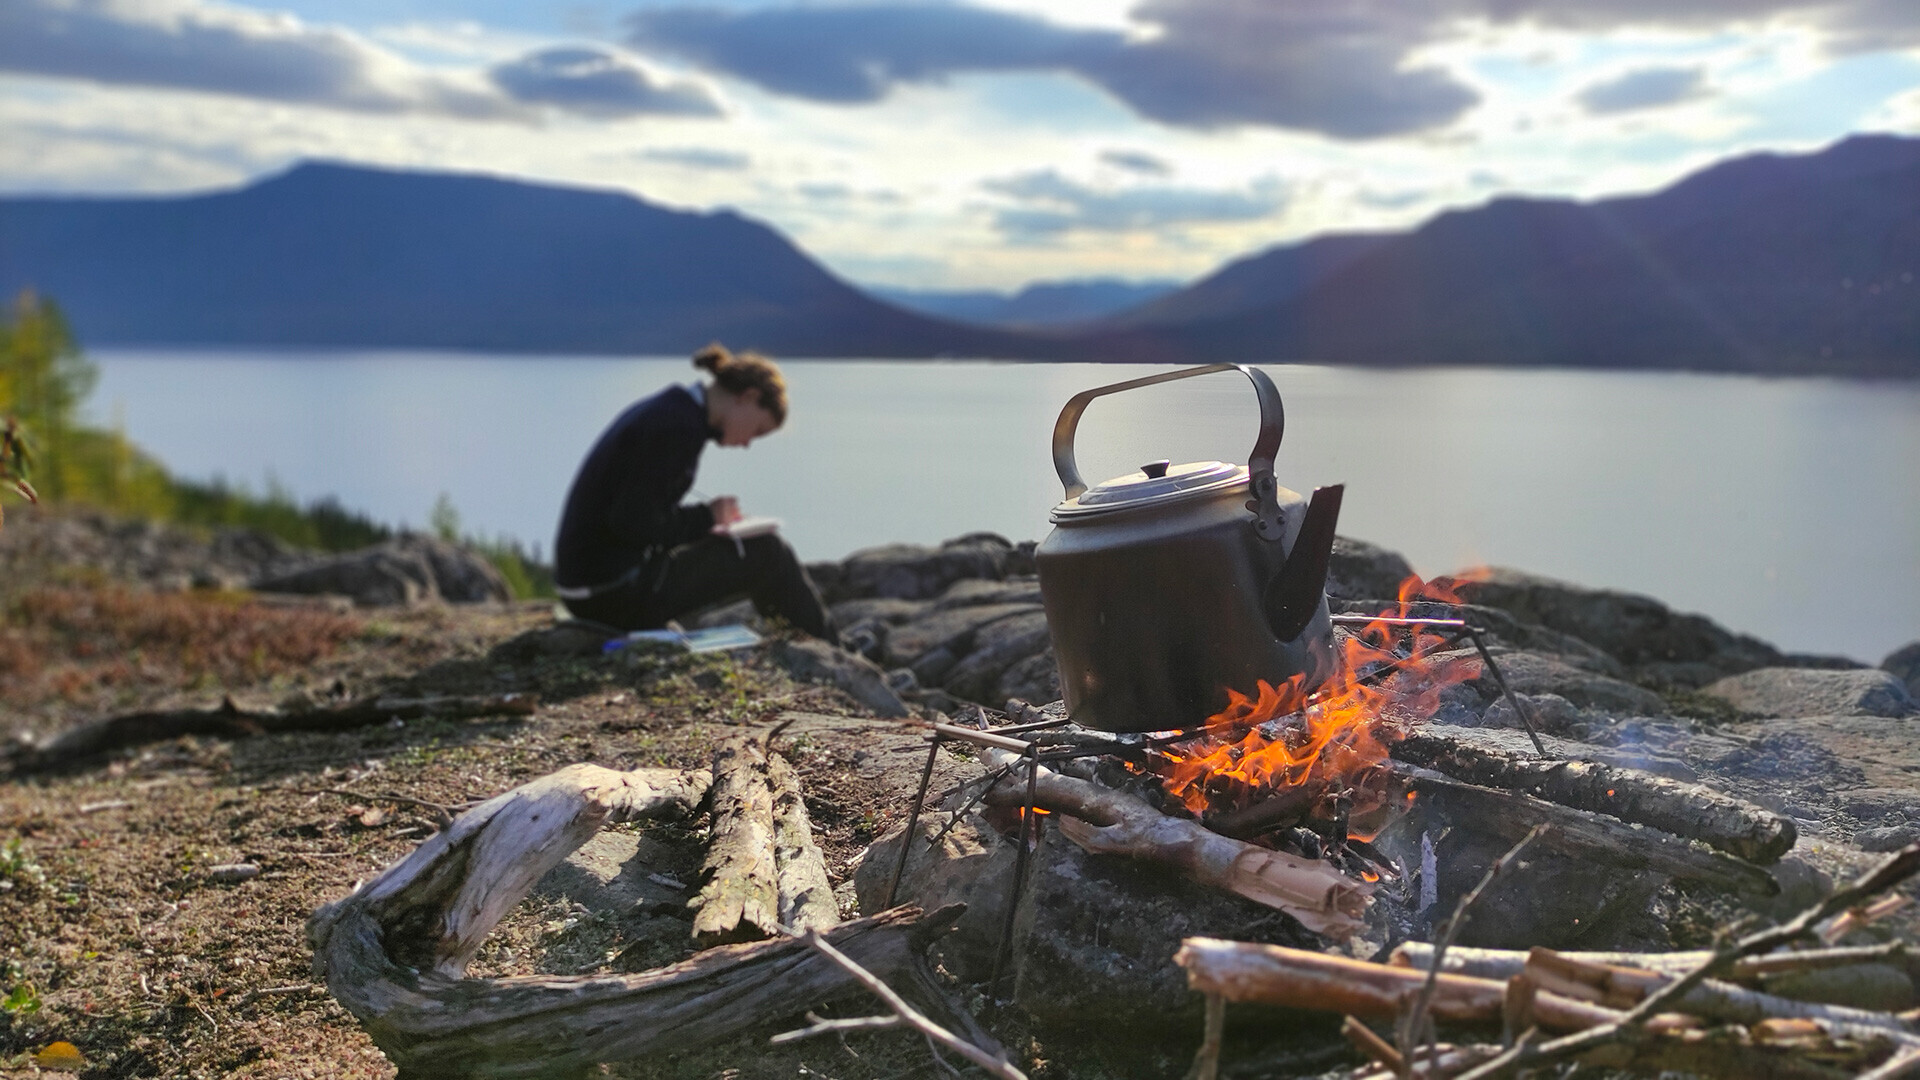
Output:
[[1698, 1013]]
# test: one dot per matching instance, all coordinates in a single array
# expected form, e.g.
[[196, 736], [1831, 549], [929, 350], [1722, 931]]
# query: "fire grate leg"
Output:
[[1029, 835], [1524, 711], [913, 818]]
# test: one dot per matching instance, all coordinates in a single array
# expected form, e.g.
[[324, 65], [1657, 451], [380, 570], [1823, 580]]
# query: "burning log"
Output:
[[1690, 810], [740, 900], [806, 897], [395, 951], [1105, 821], [1589, 836]]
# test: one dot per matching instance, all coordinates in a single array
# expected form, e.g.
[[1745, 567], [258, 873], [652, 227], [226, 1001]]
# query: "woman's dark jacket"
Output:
[[624, 509]]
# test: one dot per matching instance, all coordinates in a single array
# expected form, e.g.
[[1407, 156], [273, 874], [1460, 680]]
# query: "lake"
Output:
[[1784, 508]]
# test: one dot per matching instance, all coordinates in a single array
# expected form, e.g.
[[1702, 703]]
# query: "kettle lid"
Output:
[[1153, 484]]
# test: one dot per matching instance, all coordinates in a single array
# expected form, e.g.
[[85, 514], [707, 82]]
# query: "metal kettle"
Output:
[[1166, 588]]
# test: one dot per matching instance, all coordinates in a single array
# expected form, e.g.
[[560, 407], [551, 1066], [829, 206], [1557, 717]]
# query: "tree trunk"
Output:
[[806, 897]]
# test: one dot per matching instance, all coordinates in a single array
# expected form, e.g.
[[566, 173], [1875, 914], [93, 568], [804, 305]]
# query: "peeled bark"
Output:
[[806, 897], [740, 899], [1689, 810]]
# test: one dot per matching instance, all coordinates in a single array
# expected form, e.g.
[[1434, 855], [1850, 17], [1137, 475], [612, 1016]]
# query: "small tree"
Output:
[[43, 379], [15, 462]]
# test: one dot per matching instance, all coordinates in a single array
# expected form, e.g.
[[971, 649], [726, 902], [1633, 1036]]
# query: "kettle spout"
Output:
[[1294, 594]]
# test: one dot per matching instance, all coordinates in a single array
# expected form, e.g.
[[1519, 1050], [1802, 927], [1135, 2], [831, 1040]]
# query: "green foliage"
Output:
[[24, 1000], [43, 380], [17, 867]]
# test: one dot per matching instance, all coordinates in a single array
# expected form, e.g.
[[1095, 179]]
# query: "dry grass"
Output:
[[87, 645]]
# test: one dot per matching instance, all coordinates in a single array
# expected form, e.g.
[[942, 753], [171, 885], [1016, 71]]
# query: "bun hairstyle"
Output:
[[735, 373]]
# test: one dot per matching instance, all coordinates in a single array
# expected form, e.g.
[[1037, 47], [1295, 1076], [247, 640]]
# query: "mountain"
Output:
[[328, 254], [1051, 304], [1767, 263]]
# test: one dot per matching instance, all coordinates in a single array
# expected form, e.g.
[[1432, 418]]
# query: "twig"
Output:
[[443, 815], [1206, 1063], [1895, 869], [1413, 1025], [824, 1026], [907, 1013], [1902, 1066], [1368, 1042], [1855, 918]]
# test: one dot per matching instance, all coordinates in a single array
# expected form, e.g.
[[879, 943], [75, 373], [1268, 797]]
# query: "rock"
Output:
[[972, 865], [882, 609], [407, 570], [1904, 664], [1037, 678], [917, 572], [1537, 673], [973, 592], [909, 643], [1881, 805], [818, 661], [1552, 714], [1784, 692], [1802, 885], [1638, 631], [1888, 838], [567, 639], [1501, 628], [232, 873], [997, 646], [1362, 571]]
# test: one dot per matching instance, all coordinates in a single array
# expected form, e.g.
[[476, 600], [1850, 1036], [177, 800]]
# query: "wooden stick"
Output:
[[1105, 821], [1902, 1066], [1301, 979], [1516, 1009], [1712, 999], [740, 899], [1206, 1061], [1505, 963], [820, 1025], [805, 896], [1368, 1042], [994, 1065]]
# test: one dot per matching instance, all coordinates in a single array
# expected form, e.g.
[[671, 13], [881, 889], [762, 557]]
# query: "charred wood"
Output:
[[1511, 814], [1689, 810]]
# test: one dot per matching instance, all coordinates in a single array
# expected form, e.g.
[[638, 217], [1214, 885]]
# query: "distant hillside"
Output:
[[1767, 263], [1054, 304], [337, 255]]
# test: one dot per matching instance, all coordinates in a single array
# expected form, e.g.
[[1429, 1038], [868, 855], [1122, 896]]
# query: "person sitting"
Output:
[[629, 554]]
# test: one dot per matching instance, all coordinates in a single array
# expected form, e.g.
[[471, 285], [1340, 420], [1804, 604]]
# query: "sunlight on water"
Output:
[[1788, 509]]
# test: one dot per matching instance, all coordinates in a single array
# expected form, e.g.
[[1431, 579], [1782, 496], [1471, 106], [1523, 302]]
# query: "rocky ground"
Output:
[[120, 934]]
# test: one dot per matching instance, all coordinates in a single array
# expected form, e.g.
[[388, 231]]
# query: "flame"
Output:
[[1330, 736]]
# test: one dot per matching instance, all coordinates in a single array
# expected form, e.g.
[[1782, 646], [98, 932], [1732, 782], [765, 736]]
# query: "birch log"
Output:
[[1109, 822], [395, 951], [806, 897], [739, 899]]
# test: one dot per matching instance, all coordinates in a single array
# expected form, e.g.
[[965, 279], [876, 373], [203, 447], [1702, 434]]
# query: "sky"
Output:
[[968, 143]]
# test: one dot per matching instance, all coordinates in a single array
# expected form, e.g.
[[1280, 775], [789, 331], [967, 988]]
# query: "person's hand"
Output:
[[726, 511]]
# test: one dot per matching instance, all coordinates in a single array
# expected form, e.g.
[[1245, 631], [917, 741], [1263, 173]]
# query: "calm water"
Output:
[[1789, 509]]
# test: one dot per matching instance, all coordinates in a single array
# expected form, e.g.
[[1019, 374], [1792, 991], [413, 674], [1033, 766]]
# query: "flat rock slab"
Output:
[[1782, 692], [1538, 673]]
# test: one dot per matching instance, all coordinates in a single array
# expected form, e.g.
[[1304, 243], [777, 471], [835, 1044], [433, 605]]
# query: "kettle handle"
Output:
[[1265, 503]]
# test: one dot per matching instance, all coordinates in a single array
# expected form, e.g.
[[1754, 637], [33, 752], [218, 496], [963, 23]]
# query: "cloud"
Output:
[[1645, 88], [1055, 205], [1344, 68], [225, 50], [1138, 161], [596, 82], [699, 157], [1338, 67]]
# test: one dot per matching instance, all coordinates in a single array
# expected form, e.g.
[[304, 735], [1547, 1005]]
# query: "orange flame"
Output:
[[1329, 736]]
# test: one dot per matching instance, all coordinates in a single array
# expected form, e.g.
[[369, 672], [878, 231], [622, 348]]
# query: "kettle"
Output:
[[1167, 587]]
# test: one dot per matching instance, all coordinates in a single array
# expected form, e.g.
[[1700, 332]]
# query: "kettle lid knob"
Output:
[[1156, 469]]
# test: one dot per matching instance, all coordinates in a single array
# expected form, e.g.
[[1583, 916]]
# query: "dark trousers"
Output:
[[709, 571]]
